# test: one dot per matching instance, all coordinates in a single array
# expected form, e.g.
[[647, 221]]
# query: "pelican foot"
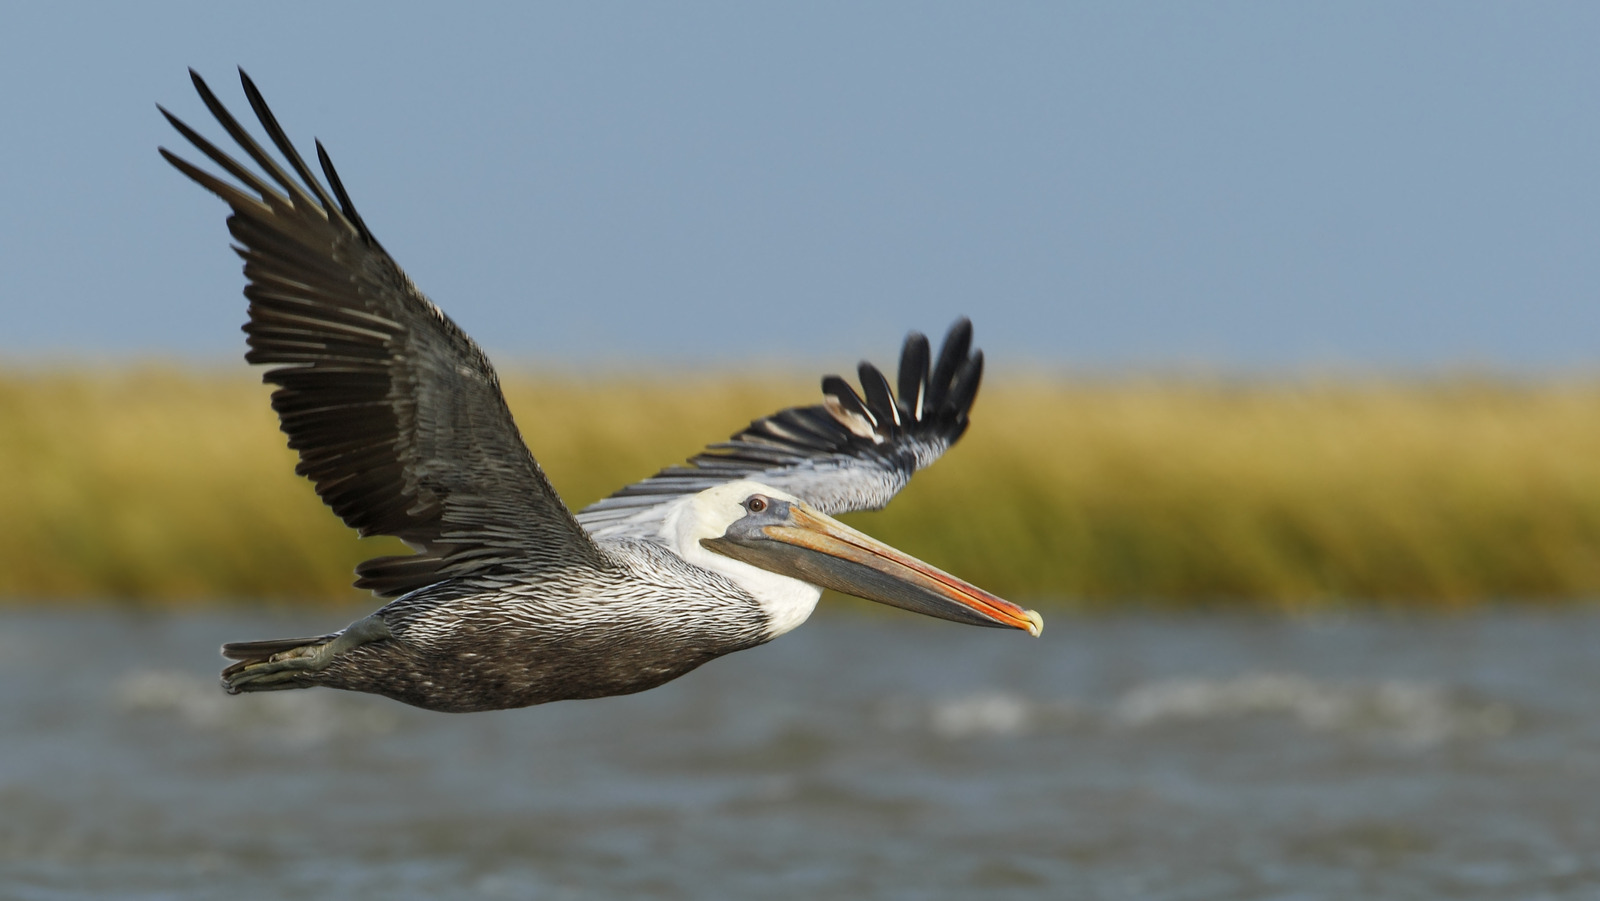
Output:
[[287, 669]]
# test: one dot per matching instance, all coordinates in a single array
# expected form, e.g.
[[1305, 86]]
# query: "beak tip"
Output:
[[1035, 622]]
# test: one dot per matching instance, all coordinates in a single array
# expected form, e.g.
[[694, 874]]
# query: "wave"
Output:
[[1410, 713]]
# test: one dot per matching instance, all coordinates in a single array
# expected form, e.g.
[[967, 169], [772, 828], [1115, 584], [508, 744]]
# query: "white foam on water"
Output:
[[986, 714], [1413, 713], [1408, 712], [980, 714]]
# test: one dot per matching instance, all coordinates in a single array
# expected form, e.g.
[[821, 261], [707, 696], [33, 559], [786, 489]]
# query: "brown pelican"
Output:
[[510, 598]]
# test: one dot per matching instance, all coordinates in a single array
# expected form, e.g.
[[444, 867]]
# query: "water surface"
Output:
[[1155, 757]]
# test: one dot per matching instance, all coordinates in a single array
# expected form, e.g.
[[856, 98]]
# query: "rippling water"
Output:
[[1173, 757]]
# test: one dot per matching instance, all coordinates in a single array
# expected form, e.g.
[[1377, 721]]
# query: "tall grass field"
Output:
[[153, 485]]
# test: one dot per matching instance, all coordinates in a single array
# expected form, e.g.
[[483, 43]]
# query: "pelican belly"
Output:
[[555, 636]]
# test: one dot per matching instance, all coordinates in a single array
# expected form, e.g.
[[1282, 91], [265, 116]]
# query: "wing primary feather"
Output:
[[345, 206], [964, 390], [234, 197], [216, 156], [247, 143], [879, 398], [913, 374], [840, 390], [275, 131], [957, 341]]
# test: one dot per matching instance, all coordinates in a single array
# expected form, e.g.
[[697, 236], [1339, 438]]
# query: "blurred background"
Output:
[[1291, 428]]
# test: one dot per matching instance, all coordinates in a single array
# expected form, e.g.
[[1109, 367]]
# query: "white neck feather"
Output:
[[787, 602]]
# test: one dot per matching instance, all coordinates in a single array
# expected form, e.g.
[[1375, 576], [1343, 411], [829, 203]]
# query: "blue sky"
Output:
[[1226, 186]]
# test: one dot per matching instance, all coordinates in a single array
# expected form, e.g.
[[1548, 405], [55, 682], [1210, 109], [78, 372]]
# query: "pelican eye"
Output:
[[756, 504]]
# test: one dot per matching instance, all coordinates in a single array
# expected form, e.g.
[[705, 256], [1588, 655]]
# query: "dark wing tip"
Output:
[[208, 96], [851, 452], [931, 404], [345, 205], [964, 390], [879, 398], [837, 388], [248, 83], [914, 357]]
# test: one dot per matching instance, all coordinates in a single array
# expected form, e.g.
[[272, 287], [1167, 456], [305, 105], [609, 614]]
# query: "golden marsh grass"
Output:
[[163, 485]]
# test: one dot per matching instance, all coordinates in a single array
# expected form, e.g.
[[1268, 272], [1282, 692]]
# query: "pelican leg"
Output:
[[285, 669]]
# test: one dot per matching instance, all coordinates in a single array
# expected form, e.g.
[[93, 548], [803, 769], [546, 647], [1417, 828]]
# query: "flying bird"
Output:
[[509, 598]]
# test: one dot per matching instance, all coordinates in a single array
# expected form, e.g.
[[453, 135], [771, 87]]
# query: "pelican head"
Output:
[[780, 534]]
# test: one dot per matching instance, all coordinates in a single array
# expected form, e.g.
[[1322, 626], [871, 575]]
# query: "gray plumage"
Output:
[[520, 638], [400, 425]]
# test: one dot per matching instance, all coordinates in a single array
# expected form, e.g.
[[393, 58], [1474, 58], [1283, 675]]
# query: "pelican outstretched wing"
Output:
[[396, 414], [847, 453]]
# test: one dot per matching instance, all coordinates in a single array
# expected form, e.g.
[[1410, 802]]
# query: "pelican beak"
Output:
[[819, 549]]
